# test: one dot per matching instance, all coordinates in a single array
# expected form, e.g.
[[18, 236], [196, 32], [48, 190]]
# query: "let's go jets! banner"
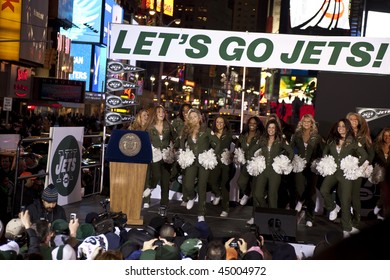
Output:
[[266, 50]]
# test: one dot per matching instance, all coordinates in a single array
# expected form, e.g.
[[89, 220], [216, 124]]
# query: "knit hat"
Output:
[[14, 229], [84, 230], [91, 217], [63, 252], [60, 226], [191, 247], [50, 194]]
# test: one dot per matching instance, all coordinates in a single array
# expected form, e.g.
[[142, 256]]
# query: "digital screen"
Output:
[[99, 69], [82, 54], [113, 13], [33, 34], [87, 18], [291, 87], [60, 90], [65, 10]]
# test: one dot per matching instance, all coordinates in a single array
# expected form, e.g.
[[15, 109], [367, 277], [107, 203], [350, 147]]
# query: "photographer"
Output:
[[249, 246]]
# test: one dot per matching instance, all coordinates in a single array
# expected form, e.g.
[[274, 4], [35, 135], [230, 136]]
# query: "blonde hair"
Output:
[[313, 129], [137, 123]]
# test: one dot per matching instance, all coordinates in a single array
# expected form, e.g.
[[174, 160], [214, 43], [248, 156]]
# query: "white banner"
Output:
[[245, 49], [318, 13], [64, 162]]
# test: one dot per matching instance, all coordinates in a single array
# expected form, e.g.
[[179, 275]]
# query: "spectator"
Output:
[[47, 208]]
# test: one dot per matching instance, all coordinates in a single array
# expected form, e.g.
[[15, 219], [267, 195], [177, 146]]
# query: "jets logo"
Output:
[[66, 165]]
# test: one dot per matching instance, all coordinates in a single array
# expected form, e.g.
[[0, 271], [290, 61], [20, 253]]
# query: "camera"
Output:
[[162, 211], [234, 243], [22, 208], [158, 243], [73, 216]]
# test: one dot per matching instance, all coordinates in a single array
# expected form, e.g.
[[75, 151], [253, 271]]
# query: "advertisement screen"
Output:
[[113, 13], [82, 54], [33, 33], [65, 10], [99, 69], [297, 86], [60, 90], [87, 18]]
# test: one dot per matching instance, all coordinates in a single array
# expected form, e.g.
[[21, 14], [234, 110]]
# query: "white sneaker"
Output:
[[146, 205], [224, 214], [376, 210], [183, 203], [147, 192], [190, 203], [251, 221], [200, 218], [298, 207], [244, 200], [216, 200], [346, 234], [334, 212], [354, 230], [309, 223]]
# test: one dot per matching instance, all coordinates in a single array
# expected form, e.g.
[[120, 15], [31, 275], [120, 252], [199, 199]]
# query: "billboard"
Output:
[[99, 69], [59, 90], [82, 55], [33, 33], [10, 18], [65, 10], [87, 18], [113, 13]]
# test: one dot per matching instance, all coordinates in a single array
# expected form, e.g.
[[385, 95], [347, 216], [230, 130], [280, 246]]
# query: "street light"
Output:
[[152, 79]]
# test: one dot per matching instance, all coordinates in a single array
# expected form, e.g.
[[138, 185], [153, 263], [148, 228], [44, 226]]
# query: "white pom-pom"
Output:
[[208, 159], [256, 165], [326, 166], [239, 156], [350, 167], [282, 165], [365, 169], [168, 155], [298, 164], [226, 157], [186, 158], [157, 155], [377, 175]]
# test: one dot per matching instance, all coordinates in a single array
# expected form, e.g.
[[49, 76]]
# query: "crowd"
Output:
[[203, 158]]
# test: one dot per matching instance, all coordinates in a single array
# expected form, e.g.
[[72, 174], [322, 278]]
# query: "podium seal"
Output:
[[130, 144]]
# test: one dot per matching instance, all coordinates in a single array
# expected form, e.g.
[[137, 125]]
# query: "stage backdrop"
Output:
[[64, 162]]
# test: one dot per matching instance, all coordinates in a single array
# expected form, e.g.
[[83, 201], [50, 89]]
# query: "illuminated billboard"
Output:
[[291, 87], [99, 69], [82, 55], [10, 17], [87, 18], [59, 90], [113, 13], [33, 33]]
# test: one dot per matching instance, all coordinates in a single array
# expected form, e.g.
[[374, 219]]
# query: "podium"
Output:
[[129, 152]]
